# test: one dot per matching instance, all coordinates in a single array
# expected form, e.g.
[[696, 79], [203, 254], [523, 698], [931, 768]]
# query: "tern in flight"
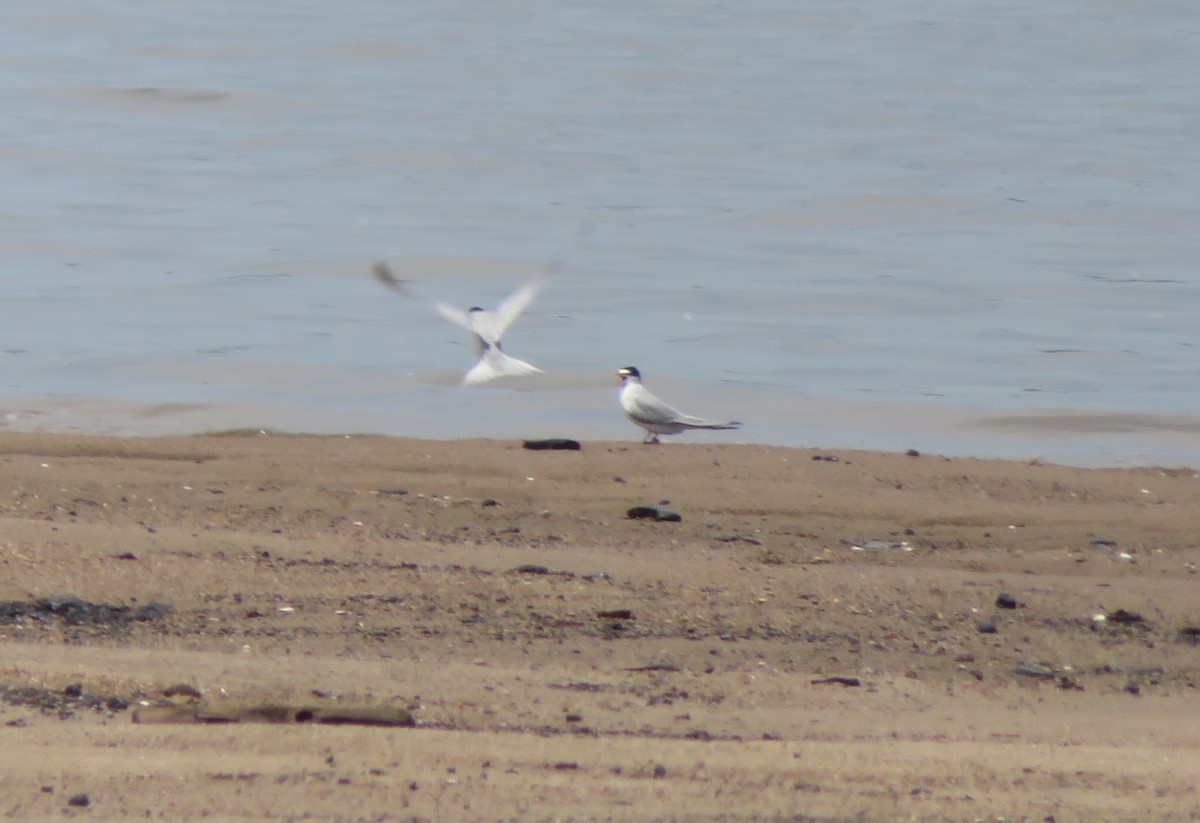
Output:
[[487, 327]]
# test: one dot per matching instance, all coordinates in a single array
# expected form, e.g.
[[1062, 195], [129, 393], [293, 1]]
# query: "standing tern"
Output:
[[486, 327], [654, 415]]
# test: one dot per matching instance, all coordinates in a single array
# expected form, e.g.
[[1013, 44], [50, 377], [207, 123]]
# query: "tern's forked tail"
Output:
[[732, 424], [495, 364]]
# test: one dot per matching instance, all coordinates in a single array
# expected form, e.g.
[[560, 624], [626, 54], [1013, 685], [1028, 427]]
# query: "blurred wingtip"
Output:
[[383, 273]]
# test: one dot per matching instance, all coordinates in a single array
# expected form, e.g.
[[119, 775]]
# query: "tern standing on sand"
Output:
[[654, 415]]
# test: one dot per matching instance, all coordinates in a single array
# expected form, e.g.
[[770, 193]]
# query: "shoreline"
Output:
[[1076, 437]]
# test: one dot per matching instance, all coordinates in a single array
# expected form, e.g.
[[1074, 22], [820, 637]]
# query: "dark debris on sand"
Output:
[[75, 611], [62, 703]]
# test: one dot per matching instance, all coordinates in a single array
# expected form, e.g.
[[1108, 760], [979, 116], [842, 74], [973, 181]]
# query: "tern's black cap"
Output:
[[631, 371]]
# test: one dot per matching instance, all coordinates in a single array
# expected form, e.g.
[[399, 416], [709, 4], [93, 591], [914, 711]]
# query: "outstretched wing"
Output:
[[456, 316], [512, 306]]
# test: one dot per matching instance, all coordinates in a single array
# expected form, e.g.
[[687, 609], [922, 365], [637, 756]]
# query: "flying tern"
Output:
[[487, 327], [654, 415]]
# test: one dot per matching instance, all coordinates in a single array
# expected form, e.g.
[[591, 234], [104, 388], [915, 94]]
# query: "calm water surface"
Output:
[[972, 230]]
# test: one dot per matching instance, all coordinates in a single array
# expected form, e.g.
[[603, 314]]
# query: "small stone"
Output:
[[1122, 617], [986, 626], [1006, 601], [657, 513], [182, 690], [836, 681], [80, 800], [615, 614], [531, 568], [553, 444]]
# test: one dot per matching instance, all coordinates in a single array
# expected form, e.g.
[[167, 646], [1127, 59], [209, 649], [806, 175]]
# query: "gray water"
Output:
[[971, 229]]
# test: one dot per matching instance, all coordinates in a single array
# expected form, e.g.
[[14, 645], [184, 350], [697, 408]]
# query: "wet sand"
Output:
[[824, 635]]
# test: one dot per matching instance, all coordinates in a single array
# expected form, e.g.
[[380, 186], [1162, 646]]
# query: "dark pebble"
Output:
[[1124, 618], [657, 513], [566, 766], [74, 690], [553, 444], [1006, 601], [912, 453], [531, 568], [489, 502], [738, 538], [1133, 688], [398, 492], [837, 681], [1190, 634], [182, 690], [986, 627], [80, 800], [660, 771], [615, 614]]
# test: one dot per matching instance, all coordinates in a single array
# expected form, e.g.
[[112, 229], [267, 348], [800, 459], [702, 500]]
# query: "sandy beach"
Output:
[[488, 634]]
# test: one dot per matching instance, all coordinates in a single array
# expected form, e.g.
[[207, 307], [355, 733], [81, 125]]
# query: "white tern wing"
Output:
[[646, 407], [509, 310], [456, 316]]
